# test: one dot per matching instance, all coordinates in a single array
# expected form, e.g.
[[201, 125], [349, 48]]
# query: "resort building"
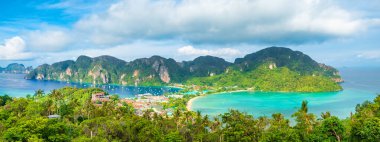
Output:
[[176, 96], [144, 102], [54, 116], [99, 98]]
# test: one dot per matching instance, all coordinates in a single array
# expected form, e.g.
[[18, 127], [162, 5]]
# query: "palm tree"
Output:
[[325, 115], [50, 107], [305, 120], [188, 116], [177, 114], [58, 99], [304, 107], [39, 93], [216, 124], [205, 123], [262, 123]]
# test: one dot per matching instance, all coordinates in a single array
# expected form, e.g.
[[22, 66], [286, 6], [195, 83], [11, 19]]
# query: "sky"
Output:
[[341, 33]]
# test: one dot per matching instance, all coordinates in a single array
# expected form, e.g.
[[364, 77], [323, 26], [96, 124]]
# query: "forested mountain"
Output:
[[275, 69], [15, 68], [155, 70], [285, 57], [206, 66], [270, 69]]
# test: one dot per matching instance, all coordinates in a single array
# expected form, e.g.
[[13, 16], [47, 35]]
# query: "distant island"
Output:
[[16, 68], [270, 69]]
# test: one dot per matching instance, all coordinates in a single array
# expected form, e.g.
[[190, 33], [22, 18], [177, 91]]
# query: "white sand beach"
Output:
[[190, 102]]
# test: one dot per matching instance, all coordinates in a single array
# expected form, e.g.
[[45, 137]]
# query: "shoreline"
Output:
[[189, 103], [101, 84], [249, 90], [235, 91], [167, 86]]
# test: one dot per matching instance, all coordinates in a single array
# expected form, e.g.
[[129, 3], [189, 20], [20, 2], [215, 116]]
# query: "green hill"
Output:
[[275, 69], [285, 57], [265, 79]]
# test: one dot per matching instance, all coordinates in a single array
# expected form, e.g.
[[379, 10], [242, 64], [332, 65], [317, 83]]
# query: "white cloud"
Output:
[[375, 54], [49, 40], [139, 49], [374, 22], [224, 28], [127, 52], [220, 52], [222, 21], [14, 49]]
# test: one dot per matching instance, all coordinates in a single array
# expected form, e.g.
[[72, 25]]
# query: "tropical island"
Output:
[[91, 114], [189, 71], [71, 114], [16, 69], [271, 69]]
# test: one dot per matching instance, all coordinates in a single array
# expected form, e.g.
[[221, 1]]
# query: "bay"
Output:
[[16, 86], [361, 84]]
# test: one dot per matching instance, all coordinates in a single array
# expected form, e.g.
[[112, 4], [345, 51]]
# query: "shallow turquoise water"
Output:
[[360, 85], [16, 86]]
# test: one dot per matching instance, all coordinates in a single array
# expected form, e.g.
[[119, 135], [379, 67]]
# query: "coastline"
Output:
[[235, 91], [190, 102], [103, 84], [250, 90]]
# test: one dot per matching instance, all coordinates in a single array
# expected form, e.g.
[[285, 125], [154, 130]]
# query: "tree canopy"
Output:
[[25, 119]]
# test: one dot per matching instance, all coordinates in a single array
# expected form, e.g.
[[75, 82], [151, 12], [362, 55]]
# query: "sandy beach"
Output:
[[190, 102]]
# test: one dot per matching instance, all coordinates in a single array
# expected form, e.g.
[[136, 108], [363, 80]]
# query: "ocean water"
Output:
[[360, 84], [16, 86]]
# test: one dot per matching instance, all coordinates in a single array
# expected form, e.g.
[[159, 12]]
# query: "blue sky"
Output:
[[20, 12], [335, 32]]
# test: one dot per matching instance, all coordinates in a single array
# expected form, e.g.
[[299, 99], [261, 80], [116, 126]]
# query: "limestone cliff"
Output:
[[157, 70]]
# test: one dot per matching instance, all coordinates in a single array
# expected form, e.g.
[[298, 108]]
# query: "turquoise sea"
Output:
[[16, 86], [360, 84]]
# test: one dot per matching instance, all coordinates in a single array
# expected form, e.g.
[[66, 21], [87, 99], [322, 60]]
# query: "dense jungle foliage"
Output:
[[25, 119]]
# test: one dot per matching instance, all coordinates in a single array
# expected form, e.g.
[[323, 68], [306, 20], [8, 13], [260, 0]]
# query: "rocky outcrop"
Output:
[[121, 80], [68, 72], [272, 66], [104, 78], [61, 77], [338, 80], [156, 65], [98, 73], [164, 74], [136, 73], [212, 74], [40, 77]]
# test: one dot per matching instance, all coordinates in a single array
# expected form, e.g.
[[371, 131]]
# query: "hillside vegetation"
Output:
[[270, 69], [25, 119], [265, 79]]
